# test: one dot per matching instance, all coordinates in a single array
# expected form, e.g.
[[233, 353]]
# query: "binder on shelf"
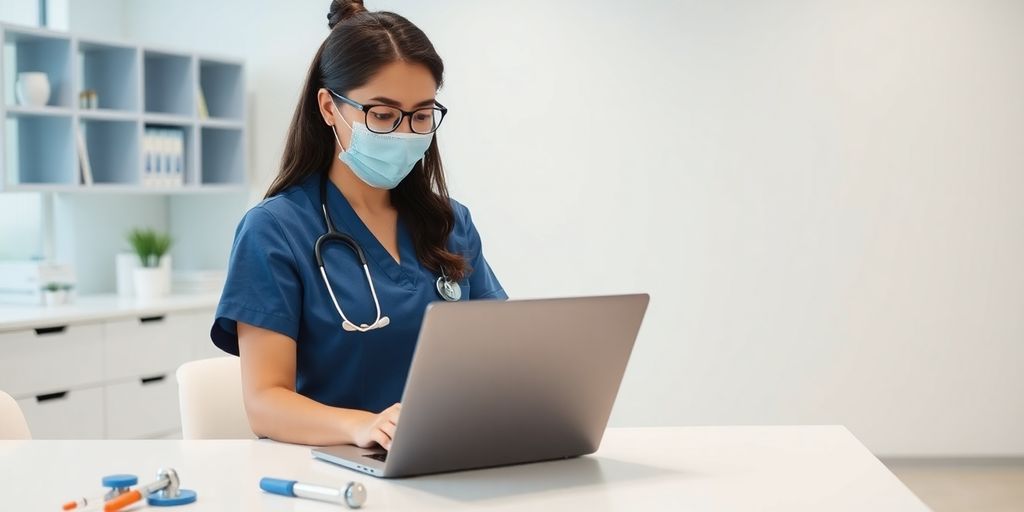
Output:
[[163, 157], [178, 173], [84, 167], [148, 158]]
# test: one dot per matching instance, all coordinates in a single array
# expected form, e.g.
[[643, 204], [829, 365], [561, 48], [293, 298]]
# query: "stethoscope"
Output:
[[449, 290]]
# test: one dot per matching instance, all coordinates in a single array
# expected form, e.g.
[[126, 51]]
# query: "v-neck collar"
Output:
[[348, 221]]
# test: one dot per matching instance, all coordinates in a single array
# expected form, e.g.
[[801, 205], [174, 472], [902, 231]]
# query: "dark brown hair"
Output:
[[361, 43]]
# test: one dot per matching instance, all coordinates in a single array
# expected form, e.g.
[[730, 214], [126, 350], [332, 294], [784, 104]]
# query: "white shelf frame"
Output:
[[196, 180]]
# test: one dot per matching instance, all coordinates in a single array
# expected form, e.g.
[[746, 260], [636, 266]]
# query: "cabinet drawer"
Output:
[[49, 359], [142, 346], [143, 407], [73, 414]]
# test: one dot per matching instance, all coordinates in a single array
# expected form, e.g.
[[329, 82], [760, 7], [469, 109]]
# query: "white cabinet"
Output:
[[96, 377], [142, 407], [69, 414], [50, 359], [137, 347]]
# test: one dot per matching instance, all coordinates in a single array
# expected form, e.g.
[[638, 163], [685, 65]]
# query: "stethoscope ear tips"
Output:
[[350, 327]]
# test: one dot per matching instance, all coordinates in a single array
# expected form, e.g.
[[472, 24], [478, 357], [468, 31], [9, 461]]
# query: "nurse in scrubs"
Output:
[[362, 146]]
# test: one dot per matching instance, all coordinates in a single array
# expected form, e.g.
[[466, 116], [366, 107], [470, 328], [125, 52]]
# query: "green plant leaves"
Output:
[[149, 245]]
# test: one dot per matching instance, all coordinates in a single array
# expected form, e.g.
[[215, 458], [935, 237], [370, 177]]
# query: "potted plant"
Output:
[[152, 278]]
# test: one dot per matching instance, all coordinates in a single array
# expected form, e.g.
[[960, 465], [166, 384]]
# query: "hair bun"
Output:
[[342, 10]]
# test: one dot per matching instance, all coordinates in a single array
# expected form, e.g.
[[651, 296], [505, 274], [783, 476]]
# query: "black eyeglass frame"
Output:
[[365, 109]]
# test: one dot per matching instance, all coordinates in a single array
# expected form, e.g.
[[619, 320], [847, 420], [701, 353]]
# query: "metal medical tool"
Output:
[[352, 495]]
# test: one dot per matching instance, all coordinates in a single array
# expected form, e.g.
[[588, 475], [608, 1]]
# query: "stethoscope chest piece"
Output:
[[449, 290]]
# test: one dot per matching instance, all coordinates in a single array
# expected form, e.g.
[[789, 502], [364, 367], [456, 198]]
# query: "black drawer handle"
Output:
[[148, 319], [51, 396], [151, 380], [57, 329]]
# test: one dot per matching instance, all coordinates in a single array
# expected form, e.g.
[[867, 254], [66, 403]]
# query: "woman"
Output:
[[361, 156]]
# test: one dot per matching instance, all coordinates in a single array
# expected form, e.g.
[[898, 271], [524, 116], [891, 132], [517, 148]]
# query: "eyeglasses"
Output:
[[386, 119]]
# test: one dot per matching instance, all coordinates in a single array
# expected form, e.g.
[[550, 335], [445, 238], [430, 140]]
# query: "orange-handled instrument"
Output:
[[122, 501], [165, 491], [117, 485]]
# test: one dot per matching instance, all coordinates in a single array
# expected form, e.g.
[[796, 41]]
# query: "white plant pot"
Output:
[[33, 89], [152, 282], [53, 297]]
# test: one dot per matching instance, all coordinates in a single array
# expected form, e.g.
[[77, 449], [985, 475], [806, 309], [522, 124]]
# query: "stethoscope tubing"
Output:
[[443, 284]]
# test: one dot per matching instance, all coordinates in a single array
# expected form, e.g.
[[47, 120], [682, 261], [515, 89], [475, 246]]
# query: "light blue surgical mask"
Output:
[[382, 160]]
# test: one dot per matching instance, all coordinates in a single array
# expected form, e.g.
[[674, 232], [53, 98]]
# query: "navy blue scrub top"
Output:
[[273, 282]]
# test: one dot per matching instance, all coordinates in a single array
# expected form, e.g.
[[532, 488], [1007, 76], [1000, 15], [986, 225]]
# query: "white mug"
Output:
[[33, 88]]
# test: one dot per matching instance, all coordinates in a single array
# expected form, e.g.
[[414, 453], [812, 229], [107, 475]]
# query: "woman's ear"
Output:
[[327, 108]]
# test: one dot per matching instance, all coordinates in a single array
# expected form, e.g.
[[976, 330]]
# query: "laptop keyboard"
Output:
[[378, 456]]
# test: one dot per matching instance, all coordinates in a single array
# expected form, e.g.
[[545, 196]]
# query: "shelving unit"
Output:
[[137, 88]]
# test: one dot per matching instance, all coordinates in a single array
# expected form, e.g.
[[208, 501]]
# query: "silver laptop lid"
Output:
[[495, 383]]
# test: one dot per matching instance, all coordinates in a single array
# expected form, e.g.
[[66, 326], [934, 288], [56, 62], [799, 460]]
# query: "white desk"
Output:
[[692, 468]]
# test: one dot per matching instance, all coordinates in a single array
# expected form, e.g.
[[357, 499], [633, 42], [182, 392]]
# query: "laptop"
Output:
[[495, 383]]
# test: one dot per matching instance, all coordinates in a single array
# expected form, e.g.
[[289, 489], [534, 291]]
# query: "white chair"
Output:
[[12, 421], [210, 394]]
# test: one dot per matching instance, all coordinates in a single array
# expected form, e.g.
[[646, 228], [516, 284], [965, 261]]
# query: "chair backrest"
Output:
[[210, 394], [12, 421]]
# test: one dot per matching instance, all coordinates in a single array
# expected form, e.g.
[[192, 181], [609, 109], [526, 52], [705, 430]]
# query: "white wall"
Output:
[[23, 12], [20, 220], [100, 18], [821, 197], [824, 203], [90, 229]]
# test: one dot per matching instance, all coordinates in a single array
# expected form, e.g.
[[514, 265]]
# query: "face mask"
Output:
[[382, 160]]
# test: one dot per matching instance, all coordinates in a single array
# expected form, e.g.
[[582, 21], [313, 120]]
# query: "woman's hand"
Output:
[[378, 428]]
